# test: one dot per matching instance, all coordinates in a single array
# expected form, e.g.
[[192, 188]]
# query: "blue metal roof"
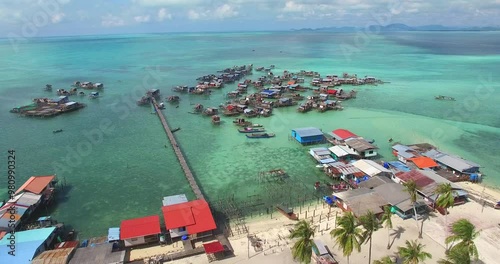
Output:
[[308, 132], [399, 165], [27, 243]]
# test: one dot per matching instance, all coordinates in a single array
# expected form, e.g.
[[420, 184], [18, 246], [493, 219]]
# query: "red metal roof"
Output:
[[420, 179], [36, 184], [331, 91], [424, 162], [343, 133], [67, 244], [194, 215], [139, 227], [213, 247]]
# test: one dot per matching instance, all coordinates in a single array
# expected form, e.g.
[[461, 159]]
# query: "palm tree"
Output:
[[384, 260], [413, 252], [371, 224], [387, 221], [456, 256], [465, 232], [302, 249], [445, 200], [348, 236], [411, 188]]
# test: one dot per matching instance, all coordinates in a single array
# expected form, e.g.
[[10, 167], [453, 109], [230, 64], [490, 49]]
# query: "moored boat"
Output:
[[251, 130], [260, 135], [216, 120], [287, 212], [497, 206]]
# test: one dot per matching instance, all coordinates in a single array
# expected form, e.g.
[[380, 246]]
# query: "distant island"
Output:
[[401, 27]]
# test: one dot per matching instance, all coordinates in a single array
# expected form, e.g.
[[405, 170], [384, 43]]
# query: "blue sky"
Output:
[[80, 17]]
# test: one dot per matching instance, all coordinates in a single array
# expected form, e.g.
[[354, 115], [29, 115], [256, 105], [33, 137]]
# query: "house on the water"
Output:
[[40, 185], [362, 147], [341, 152], [456, 164], [62, 253], [403, 153], [139, 231], [344, 171], [371, 168], [340, 135], [28, 244], [308, 135], [423, 163], [192, 218], [321, 155]]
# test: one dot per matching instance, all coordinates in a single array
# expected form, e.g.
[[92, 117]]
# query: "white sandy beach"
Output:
[[276, 247]]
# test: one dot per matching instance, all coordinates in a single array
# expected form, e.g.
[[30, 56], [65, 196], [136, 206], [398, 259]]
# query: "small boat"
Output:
[[251, 130], [241, 122], [57, 131], [442, 97], [497, 206], [81, 93], [317, 185], [94, 95], [257, 125], [260, 135], [48, 87], [287, 212], [216, 120], [175, 130], [161, 106], [173, 98]]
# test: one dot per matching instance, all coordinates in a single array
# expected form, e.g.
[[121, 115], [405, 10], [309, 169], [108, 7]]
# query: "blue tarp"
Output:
[[398, 165]]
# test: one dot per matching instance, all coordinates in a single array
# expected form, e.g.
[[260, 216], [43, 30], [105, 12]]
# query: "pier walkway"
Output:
[[178, 153]]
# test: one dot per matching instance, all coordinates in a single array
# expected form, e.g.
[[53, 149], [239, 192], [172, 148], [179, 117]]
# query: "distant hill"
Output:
[[401, 27]]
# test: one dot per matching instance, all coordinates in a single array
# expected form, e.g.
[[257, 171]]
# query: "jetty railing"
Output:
[[178, 153]]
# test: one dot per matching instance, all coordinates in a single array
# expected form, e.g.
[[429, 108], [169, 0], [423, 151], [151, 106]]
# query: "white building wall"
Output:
[[134, 241], [177, 233]]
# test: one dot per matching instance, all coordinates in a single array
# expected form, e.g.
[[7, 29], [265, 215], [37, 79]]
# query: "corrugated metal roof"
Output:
[[362, 200], [393, 192], [36, 184], [359, 144], [308, 132], [100, 253], [139, 227], [342, 151], [27, 242], [319, 151], [346, 169], [174, 199], [374, 182], [401, 148], [369, 167], [194, 215], [56, 256], [26, 199]]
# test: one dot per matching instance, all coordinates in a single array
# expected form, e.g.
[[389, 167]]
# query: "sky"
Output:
[[29, 18]]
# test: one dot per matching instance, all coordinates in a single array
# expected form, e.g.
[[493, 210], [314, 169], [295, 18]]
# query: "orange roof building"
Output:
[[36, 184], [424, 162]]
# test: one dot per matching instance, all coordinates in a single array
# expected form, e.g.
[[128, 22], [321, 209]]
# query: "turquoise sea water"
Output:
[[112, 153]]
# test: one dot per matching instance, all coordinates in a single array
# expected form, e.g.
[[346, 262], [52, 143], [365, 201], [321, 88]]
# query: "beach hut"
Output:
[[400, 201], [28, 244], [192, 218], [139, 231], [308, 135]]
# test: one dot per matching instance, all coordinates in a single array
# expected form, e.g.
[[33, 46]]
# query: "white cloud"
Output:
[[110, 20], [63, 2], [291, 6], [142, 19], [194, 15], [168, 2], [163, 14], [225, 11], [57, 18]]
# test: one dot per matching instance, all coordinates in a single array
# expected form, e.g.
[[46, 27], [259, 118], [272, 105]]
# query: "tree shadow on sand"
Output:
[[397, 234], [425, 217]]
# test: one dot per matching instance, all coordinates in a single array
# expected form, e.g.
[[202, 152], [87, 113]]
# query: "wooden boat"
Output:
[[287, 212], [57, 131], [48, 87], [94, 95], [241, 122], [173, 98], [260, 135], [251, 130], [216, 120], [442, 97], [175, 129]]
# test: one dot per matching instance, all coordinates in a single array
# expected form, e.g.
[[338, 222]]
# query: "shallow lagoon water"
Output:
[[126, 173]]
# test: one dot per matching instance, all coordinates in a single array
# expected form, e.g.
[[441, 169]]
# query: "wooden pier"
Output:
[[178, 153]]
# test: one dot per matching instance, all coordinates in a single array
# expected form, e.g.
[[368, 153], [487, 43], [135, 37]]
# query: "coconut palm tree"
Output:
[[348, 236], [302, 249], [456, 256], [370, 223], [445, 200], [411, 189], [387, 221], [413, 253], [384, 260], [464, 232]]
